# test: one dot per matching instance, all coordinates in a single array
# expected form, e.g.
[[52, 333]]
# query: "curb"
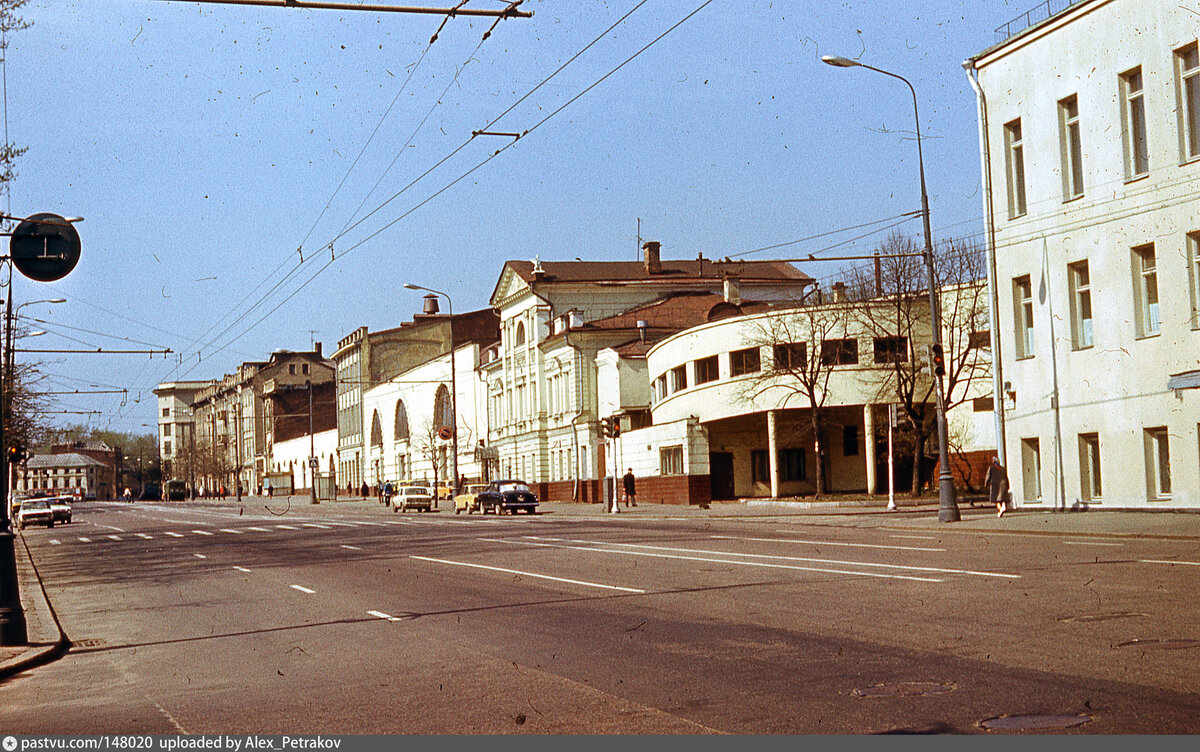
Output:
[[37, 653]]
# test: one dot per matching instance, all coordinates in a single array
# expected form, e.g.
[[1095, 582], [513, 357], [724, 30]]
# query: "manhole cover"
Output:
[[1161, 644], [89, 643], [1102, 617], [905, 689], [1036, 721]]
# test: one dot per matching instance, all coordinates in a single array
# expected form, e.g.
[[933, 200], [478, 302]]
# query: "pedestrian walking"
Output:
[[630, 491], [387, 493], [365, 490], [270, 490], [996, 481]]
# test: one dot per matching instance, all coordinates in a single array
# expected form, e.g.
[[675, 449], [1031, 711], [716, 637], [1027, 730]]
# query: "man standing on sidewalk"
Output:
[[630, 492]]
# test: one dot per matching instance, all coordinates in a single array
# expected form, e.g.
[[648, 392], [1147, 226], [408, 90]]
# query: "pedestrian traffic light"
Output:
[[937, 359]]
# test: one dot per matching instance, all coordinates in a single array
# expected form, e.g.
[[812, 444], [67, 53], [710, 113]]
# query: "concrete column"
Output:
[[869, 442], [773, 453]]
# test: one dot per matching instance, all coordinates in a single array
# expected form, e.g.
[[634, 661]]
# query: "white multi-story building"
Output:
[[1090, 136], [176, 426]]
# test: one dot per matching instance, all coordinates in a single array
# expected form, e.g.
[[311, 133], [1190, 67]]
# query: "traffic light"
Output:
[[17, 454], [610, 427], [937, 360], [616, 426]]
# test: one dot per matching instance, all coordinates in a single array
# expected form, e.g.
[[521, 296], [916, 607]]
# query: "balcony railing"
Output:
[[1040, 12]]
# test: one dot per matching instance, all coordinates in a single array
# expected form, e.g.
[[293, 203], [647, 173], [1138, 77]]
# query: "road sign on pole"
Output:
[[44, 247]]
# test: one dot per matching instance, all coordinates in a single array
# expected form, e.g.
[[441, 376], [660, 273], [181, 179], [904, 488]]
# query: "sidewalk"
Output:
[[45, 641]]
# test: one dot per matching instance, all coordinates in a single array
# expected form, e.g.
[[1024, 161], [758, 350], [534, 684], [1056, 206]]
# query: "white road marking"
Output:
[[259, 529], [200, 556], [841, 562], [85, 540], [1164, 561], [55, 542], [110, 527], [1092, 543], [826, 543], [302, 589], [145, 537], [529, 574], [174, 535], [916, 537], [382, 615], [286, 527], [313, 524], [242, 569], [113, 537], [398, 522], [201, 532], [352, 548], [231, 530]]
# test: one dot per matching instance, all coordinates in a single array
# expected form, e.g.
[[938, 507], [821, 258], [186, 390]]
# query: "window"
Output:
[[849, 441], [1023, 315], [839, 352], [1072, 147], [670, 460], [291, 369], [791, 465], [304, 368], [1133, 125], [1014, 149], [706, 369], [743, 361], [166, 429], [660, 388], [791, 355], [1187, 72], [1158, 463], [1089, 466], [891, 349], [1031, 469], [166, 449], [678, 378], [520, 334], [1145, 291], [1081, 305], [760, 469], [166, 412], [1193, 244]]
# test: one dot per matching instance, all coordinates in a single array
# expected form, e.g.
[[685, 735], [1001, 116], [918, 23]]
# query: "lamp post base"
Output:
[[12, 616], [947, 500]]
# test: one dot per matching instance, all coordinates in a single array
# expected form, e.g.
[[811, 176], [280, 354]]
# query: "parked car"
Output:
[[467, 499], [16, 504], [413, 497], [36, 512], [61, 507], [507, 496]]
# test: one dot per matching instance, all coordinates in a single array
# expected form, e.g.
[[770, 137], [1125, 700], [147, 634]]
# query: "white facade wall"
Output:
[[291, 456], [1111, 389]]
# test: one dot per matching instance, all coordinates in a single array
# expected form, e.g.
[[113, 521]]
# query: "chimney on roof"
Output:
[[839, 292], [430, 306], [732, 289], [317, 349], [651, 257], [641, 326]]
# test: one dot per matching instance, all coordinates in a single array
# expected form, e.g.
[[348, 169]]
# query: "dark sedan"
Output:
[[507, 496]]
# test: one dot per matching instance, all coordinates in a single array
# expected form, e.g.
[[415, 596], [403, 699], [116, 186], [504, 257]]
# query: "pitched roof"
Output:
[[632, 271], [70, 459]]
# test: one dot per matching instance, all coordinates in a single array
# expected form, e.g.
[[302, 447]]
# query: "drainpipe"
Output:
[[990, 235]]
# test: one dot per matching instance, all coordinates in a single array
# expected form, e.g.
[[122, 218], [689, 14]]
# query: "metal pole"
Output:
[[453, 405], [12, 615], [509, 12], [947, 497]]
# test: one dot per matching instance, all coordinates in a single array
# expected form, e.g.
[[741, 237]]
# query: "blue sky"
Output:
[[205, 144]]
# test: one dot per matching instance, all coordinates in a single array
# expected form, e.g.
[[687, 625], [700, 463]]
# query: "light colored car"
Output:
[[466, 500], [35, 512], [413, 497], [61, 507]]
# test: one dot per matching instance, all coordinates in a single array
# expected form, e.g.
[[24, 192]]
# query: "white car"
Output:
[[35, 512], [413, 497], [61, 507]]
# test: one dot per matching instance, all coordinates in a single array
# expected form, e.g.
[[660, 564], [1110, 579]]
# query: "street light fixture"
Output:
[[947, 501], [453, 389]]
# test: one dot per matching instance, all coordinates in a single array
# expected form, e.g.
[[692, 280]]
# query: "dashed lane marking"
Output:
[[709, 560], [1165, 561], [143, 536], [173, 535], [259, 529], [242, 569], [382, 615], [200, 556], [286, 527], [84, 540], [352, 548], [302, 589], [529, 574], [231, 530], [1093, 543], [314, 524], [201, 532], [827, 543], [55, 542], [113, 537]]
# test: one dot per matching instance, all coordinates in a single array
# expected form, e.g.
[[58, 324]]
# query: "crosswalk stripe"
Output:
[[145, 537], [173, 535], [228, 530], [84, 540], [201, 532], [114, 537]]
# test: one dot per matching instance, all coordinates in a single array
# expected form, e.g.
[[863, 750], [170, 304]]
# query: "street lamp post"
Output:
[[312, 451], [453, 389], [947, 501]]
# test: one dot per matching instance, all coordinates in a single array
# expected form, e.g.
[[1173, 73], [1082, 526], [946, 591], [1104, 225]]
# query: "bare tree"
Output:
[[806, 344]]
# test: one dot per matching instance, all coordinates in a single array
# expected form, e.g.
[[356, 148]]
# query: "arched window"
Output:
[[442, 413], [376, 430], [520, 334], [401, 429]]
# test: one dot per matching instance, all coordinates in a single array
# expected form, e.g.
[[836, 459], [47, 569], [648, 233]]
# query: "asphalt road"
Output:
[[339, 619]]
